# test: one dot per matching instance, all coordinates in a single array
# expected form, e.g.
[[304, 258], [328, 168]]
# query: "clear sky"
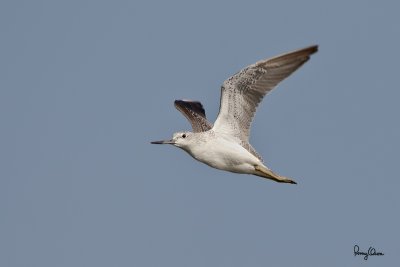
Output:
[[86, 85]]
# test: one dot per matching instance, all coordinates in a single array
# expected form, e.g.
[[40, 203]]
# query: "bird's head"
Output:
[[179, 139]]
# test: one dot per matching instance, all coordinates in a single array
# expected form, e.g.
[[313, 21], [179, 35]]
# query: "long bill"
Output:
[[171, 142]]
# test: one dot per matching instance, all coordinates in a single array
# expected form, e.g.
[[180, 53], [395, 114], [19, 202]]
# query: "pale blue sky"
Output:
[[86, 85]]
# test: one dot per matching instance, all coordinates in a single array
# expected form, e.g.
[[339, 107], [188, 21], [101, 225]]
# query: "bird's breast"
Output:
[[224, 154]]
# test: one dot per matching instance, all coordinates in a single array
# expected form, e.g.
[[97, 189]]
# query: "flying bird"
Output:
[[225, 145]]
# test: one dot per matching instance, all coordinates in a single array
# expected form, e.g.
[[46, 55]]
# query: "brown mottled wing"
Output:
[[241, 93], [194, 112]]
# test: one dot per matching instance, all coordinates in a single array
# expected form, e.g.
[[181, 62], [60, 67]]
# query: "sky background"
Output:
[[86, 85]]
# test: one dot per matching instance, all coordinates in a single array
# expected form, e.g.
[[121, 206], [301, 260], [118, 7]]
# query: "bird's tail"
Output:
[[266, 173]]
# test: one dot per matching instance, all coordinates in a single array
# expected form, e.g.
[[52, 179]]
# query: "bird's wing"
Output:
[[251, 149], [194, 112], [241, 93]]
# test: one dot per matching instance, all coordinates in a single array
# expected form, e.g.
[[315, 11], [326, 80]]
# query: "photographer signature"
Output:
[[371, 252]]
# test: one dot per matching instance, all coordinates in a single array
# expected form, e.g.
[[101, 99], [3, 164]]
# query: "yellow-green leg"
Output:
[[266, 173]]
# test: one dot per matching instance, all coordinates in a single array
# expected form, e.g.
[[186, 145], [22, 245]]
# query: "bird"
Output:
[[225, 144]]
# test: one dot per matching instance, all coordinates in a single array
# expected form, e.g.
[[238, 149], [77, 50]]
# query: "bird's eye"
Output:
[[183, 135]]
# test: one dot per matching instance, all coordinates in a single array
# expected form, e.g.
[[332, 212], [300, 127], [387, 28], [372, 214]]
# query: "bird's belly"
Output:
[[226, 156]]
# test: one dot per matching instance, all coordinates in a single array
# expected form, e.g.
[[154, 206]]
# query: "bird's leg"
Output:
[[266, 173]]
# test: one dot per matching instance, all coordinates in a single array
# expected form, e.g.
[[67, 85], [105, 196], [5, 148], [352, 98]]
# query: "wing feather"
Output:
[[194, 113], [243, 92]]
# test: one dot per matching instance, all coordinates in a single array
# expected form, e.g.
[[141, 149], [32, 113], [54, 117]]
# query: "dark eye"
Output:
[[183, 135]]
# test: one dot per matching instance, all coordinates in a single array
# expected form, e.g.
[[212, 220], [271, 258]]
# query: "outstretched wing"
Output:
[[195, 113], [241, 93]]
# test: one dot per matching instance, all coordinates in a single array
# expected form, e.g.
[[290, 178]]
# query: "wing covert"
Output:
[[194, 113], [242, 93]]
